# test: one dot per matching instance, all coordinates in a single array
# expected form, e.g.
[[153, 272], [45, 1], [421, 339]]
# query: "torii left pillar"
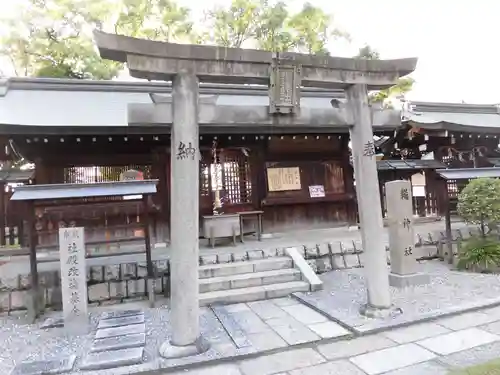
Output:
[[184, 221]]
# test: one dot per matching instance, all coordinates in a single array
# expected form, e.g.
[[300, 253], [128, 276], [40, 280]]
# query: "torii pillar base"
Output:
[[170, 351]]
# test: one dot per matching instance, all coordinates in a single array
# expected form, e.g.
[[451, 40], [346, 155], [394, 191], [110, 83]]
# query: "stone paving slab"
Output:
[[492, 327], [119, 342], [457, 341], [120, 331], [120, 313], [304, 314], [462, 321], [267, 309], [112, 358], [394, 358], [295, 333], [354, 347], [472, 357], [426, 368], [279, 362], [415, 332], [122, 321], [47, 367], [226, 369], [341, 367], [235, 331], [266, 340], [285, 301], [327, 330], [250, 322]]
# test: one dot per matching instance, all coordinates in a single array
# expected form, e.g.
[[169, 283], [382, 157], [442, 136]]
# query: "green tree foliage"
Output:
[[313, 29], [53, 38], [48, 39], [232, 26], [272, 32], [479, 202], [161, 20], [403, 86]]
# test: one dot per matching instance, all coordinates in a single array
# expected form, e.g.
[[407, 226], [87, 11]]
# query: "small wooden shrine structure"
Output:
[[58, 202]]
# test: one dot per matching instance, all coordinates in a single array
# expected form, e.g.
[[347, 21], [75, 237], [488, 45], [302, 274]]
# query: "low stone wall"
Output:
[[124, 282], [105, 285]]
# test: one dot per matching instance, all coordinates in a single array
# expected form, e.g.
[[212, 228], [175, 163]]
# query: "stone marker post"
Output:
[[184, 219], [368, 195], [73, 280], [401, 239]]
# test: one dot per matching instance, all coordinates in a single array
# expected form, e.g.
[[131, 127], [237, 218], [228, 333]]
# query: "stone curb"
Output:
[[239, 357], [490, 303]]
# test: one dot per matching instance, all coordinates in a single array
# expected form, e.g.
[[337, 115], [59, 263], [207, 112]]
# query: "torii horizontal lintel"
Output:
[[159, 60]]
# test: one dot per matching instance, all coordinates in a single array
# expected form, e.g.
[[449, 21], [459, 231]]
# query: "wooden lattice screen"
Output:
[[89, 175], [230, 175]]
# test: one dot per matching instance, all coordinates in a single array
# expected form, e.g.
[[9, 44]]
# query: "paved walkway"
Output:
[[432, 348]]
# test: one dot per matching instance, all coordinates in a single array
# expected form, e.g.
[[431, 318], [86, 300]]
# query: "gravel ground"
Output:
[[26, 342], [345, 292]]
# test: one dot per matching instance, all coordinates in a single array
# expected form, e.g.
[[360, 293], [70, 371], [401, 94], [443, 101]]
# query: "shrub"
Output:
[[479, 202], [479, 253]]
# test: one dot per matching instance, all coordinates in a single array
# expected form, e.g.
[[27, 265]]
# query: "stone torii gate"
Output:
[[285, 73]]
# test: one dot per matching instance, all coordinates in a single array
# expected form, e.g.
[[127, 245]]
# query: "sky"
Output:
[[454, 41]]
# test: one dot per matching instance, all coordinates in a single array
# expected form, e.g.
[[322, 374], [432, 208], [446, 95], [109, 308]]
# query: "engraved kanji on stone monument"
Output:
[[185, 151], [73, 279], [401, 240], [369, 149]]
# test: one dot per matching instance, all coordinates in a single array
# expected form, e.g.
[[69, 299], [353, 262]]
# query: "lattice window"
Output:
[[230, 176], [90, 175], [334, 177], [232, 184], [452, 188], [204, 180]]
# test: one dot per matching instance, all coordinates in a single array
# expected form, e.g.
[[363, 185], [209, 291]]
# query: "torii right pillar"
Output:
[[369, 206]]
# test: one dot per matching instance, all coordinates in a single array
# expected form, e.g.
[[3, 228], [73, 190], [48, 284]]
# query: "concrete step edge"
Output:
[[253, 275], [239, 263], [256, 289]]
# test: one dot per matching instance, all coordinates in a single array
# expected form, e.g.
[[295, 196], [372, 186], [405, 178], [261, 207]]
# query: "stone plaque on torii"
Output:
[[284, 73]]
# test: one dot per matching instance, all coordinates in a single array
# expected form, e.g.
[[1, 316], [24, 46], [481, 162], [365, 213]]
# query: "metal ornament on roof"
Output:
[[284, 87], [465, 156]]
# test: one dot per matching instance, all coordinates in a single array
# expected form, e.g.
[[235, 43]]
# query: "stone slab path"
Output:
[[432, 348], [127, 341]]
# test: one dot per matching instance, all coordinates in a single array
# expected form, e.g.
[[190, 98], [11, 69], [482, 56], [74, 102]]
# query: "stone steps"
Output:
[[250, 280], [245, 280], [253, 293], [250, 266]]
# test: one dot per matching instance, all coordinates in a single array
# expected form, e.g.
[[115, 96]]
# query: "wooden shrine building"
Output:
[[459, 136], [295, 169]]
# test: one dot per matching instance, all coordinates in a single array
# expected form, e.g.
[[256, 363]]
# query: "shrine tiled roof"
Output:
[[66, 107], [468, 173], [453, 117], [409, 164]]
